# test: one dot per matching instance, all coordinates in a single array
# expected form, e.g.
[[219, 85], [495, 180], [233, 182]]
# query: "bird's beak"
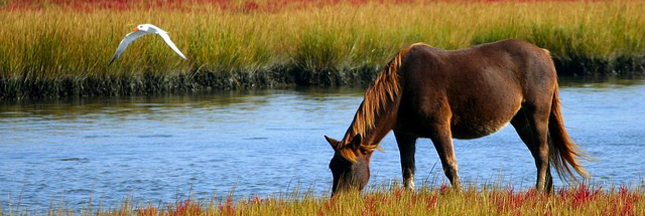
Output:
[[136, 28]]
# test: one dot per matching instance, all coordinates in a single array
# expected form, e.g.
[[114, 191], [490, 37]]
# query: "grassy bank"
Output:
[[54, 49], [580, 200]]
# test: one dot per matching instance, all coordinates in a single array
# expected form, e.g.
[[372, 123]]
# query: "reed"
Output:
[[54, 48]]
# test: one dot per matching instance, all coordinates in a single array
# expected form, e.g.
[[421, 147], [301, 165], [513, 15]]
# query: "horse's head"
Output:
[[350, 164]]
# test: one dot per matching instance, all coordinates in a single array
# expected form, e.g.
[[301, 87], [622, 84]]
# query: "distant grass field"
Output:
[[58, 48], [580, 200]]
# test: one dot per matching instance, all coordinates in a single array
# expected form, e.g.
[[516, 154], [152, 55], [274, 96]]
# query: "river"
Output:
[[167, 148]]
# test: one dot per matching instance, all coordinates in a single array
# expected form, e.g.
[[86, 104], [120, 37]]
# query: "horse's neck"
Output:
[[383, 122], [382, 125]]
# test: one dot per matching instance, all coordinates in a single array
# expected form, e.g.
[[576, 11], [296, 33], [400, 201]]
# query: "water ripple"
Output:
[[265, 142]]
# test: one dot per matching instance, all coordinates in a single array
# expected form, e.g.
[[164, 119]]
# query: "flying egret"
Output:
[[139, 31]]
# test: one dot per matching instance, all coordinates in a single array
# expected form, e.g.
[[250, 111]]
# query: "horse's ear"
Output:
[[356, 142], [332, 141]]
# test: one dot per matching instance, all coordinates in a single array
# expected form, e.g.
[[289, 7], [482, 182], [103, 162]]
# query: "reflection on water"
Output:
[[600, 82], [265, 142]]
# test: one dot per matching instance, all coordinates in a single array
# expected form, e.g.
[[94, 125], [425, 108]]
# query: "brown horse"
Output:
[[469, 93]]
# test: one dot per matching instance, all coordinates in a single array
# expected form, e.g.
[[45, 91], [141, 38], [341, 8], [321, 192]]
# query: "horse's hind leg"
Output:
[[532, 128], [407, 144], [442, 140]]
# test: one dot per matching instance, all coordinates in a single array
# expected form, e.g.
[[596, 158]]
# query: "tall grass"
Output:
[[55, 49], [579, 200]]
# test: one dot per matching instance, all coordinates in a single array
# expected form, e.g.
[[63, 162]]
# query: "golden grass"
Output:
[[579, 200], [57, 42]]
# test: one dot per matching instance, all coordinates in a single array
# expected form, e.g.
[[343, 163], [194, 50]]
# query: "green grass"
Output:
[[56, 51], [494, 200]]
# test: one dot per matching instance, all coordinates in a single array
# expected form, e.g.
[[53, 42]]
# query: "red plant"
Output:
[[508, 201], [397, 194], [628, 199], [228, 208], [413, 200], [187, 207], [370, 208], [444, 189], [431, 202], [327, 206], [189, 5], [148, 212], [511, 201], [583, 195], [249, 6]]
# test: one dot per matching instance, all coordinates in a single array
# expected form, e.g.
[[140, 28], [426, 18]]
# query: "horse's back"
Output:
[[478, 89]]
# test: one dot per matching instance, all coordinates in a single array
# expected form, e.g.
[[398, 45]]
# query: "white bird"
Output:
[[139, 31]]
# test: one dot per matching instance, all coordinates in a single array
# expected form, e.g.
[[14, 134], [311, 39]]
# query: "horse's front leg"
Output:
[[407, 145], [442, 140]]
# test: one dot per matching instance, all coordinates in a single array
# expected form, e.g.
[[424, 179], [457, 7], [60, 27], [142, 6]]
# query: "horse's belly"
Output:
[[474, 123], [475, 130]]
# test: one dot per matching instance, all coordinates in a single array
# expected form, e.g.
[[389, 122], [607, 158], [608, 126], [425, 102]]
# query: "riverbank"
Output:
[[61, 50], [192, 81]]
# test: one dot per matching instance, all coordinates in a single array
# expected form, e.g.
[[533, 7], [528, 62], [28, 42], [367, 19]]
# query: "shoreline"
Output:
[[193, 81]]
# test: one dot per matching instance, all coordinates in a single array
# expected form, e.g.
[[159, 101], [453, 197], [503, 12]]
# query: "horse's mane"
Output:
[[385, 89]]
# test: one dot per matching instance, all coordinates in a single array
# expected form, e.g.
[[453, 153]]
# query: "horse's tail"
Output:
[[564, 153]]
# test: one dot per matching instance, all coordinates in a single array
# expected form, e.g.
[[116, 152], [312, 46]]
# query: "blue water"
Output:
[[164, 149]]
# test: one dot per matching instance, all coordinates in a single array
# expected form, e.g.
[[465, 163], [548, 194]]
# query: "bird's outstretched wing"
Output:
[[166, 38], [124, 43]]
